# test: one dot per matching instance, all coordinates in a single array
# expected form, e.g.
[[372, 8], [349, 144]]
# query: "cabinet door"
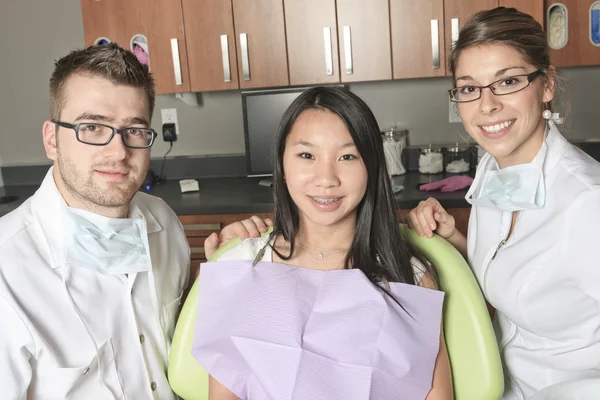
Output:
[[104, 19], [260, 38], [312, 43], [166, 44], [418, 38], [535, 8], [364, 37], [578, 50], [211, 45], [457, 12]]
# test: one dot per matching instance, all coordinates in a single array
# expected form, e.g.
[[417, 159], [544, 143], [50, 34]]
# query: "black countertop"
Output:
[[245, 195]]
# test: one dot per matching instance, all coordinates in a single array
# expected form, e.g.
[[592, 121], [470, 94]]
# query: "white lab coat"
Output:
[[68, 332], [545, 280]]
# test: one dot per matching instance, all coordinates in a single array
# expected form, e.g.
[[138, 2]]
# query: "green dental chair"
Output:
[[470, 340]]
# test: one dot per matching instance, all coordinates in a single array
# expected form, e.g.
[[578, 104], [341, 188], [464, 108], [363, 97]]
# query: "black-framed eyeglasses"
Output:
[[100, 135], [501, 87]]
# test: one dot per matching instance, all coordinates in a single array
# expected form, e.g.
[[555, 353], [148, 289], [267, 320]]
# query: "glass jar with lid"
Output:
[[431, 160], [457, 159], [394, 142]]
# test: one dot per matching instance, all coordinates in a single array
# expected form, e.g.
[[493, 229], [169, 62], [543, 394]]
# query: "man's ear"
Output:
[[49, 132]]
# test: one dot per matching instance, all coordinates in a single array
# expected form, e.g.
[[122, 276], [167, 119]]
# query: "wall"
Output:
[[31, 41]]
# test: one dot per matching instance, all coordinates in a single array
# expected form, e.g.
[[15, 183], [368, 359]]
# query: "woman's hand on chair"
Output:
[[428, 217], [248, 228]]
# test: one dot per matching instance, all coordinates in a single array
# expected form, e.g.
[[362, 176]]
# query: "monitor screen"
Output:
[[262, 113]]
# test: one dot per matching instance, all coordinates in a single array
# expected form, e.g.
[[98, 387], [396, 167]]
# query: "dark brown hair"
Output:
[[378, 248], [109, 62], [505, 26]]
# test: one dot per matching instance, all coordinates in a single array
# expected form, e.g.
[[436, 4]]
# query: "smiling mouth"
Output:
[[326, 200], [497, 127]]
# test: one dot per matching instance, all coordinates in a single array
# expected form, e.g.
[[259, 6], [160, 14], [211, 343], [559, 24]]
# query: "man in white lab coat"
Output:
[[92, 271]]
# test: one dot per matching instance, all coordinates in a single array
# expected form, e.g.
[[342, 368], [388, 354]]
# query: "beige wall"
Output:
[[35, 33]]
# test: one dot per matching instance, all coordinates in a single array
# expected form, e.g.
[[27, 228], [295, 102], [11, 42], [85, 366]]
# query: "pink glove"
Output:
[[451, 184]]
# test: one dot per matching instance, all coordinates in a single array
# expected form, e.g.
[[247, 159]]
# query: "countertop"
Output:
[[245, 195]]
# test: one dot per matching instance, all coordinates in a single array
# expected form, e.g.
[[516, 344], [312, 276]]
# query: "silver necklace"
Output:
[[321, 254]]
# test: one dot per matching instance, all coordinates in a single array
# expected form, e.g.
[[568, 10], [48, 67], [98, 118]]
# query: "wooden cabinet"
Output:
[[312, 41], [457, 12], [418, 48], [211, 45], [261, 47], [535, 8], [166, 44], [159, 22], [198, 227], [104, 19], [364, 37], [579, 49]]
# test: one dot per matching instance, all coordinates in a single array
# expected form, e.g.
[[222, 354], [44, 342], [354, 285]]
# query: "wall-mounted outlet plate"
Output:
[[169, 116]]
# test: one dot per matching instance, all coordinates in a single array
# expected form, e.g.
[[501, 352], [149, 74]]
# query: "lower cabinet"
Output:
[[199, 227]]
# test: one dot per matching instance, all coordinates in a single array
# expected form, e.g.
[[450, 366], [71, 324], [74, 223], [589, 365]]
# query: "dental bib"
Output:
[[516, 188], [111, 246]]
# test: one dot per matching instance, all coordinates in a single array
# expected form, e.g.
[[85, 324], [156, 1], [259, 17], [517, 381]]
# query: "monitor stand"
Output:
[[266, 182]]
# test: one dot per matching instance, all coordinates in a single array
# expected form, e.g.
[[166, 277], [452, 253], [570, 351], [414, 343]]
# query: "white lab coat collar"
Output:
[[46, 205], [555, 147]]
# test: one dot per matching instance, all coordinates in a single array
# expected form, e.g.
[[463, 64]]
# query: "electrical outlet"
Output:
[[169, 116]]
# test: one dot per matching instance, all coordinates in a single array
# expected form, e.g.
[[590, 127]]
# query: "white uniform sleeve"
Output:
[[16, 349], [582, 242]]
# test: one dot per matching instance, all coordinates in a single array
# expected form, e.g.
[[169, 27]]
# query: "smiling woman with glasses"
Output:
[[100, 135], [533, 228]]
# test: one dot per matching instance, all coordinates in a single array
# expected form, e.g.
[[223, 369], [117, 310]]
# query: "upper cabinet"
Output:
[[166, 43], [312, 41], [261, 47], [104, 21], [457, 12], [573, 28], [418, 38], [535, 8], [364, 38], [211, 45], [153, 30]]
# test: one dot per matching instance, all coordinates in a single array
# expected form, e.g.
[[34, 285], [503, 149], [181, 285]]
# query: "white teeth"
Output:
[[497, 127], [324, 201]]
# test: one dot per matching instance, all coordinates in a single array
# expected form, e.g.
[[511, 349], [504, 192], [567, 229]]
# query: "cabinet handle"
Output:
[[245, 60], [202, 227], [435, 44], [176, 61], [225, 56], [348, 50], [455, 30], [197, 250], [328, 54]]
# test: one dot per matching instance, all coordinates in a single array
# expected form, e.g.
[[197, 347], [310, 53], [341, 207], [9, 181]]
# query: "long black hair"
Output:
[[378, 248]]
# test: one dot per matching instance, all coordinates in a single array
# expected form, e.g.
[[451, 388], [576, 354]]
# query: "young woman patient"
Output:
[[334, 304]]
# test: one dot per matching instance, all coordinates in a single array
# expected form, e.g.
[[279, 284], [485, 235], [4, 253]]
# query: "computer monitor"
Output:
[[263, 110]]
